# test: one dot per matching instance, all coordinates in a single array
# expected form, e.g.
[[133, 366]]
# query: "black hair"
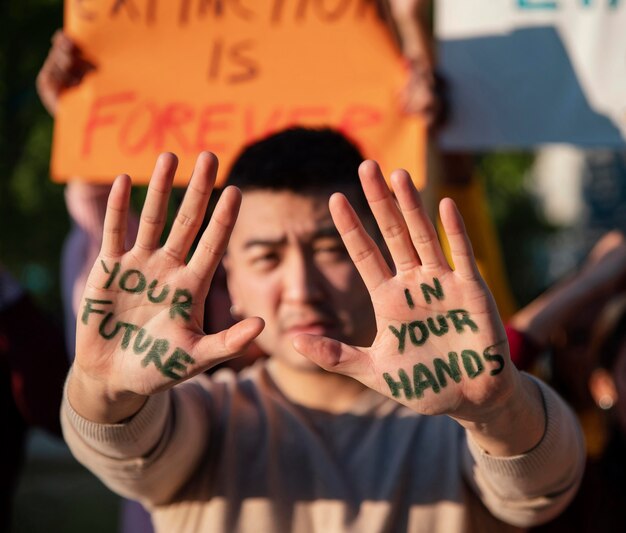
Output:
[[300, 160]]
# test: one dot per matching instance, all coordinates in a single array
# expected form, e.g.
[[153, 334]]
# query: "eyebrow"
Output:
[[330, 231], [264, 242]]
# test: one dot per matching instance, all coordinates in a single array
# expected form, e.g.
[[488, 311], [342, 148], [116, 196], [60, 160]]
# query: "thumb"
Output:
[[330, 354], [229, 343]]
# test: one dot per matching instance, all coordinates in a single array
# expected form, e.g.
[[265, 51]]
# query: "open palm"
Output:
[[440, 346], [140, 326]]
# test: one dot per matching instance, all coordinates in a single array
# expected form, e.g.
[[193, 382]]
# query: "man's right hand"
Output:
[[139, 327], [63, 68]]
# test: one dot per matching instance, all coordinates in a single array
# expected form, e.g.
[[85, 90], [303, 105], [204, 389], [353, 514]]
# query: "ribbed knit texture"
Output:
[[270, 465], [137, 436]]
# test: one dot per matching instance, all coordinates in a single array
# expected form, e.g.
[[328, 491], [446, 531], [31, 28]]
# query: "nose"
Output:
[[302, 280]]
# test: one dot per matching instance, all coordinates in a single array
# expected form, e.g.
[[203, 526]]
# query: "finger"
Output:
[[66, 62], [191, 212], [331, 354], [460, 245], [214, 240], [229, 343], [388, 216], [114, 232], [63, 63], [78, 70], [64, 53], [362, 249], [60, 40], [211, 350], [154, 212], [421, 229]]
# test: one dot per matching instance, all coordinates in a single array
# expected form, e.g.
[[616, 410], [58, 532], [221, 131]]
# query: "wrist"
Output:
[[515, 425], [94, 399]]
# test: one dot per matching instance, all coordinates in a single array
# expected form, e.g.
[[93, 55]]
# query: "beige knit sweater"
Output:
[[231, 453]]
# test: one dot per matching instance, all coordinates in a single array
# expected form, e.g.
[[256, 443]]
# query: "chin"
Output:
[[298, 362]]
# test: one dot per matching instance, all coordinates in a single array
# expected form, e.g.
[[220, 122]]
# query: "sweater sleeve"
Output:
[[149, 457], [535, 487]]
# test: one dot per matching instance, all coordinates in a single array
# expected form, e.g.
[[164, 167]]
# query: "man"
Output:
[[330, 434]]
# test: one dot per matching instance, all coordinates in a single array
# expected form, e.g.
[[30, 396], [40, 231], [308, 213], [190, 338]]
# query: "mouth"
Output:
[[323, 328]]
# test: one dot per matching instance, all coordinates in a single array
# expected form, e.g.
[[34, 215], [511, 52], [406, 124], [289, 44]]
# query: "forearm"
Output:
[[149, 456], [600, 277], [547, 313], [411, 19]]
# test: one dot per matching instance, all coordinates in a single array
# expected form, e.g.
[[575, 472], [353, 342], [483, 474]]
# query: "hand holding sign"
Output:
[[441, 347], [140, 328], [65, 67]]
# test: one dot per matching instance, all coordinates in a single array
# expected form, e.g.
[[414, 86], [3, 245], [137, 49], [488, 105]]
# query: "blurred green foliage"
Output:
[[521, 228], [33, 221]]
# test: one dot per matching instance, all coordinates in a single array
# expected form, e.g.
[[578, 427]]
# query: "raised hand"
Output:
[[64, 67], [140, 326], [440, 347]]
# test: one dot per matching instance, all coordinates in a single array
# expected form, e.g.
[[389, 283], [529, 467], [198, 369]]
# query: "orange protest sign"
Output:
[[192, 75]]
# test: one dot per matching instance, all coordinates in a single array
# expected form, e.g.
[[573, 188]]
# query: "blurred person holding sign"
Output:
[[192, 75]]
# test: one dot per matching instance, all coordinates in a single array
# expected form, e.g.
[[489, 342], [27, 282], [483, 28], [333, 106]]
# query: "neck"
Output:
[[320, 390]]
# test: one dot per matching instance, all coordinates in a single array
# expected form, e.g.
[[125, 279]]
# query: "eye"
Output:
[[265, 260], [331, 252]]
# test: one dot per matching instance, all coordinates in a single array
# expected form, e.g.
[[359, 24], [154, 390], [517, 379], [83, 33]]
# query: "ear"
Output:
[[602, 388]]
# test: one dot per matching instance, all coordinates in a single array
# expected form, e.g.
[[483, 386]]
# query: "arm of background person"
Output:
[[411, 20], [424, 91], [599, 278]]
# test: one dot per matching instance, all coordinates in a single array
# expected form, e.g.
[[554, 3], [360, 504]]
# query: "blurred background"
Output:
[[55, 493], [541, 240]]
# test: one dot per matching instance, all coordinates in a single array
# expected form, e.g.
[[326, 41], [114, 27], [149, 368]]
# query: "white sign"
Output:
[[529, 72]]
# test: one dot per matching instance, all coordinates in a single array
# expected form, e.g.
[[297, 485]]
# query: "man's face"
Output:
[[287, 264]]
